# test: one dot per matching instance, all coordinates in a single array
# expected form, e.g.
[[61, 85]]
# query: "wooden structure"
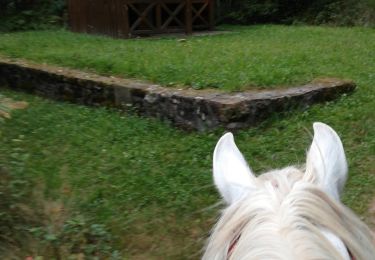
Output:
[[127, 18]]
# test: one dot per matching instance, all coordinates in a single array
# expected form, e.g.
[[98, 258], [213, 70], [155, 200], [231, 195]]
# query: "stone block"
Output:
[[187, 108]]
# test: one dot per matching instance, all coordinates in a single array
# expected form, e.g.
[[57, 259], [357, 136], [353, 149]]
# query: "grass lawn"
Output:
[[261, 56], [110, 184]]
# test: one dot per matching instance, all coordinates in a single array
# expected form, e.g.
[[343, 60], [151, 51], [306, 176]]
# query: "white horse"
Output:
[[292, 213]]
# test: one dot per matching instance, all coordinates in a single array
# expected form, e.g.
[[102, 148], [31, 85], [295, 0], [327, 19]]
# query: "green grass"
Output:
[[257, 56], [148, 185]]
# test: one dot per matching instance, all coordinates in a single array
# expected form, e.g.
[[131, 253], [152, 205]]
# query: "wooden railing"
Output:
[[127, 18]]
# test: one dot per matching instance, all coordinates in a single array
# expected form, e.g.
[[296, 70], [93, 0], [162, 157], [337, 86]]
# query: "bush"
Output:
[[334, 12], [31, 14], [346, 13], [256, 11]]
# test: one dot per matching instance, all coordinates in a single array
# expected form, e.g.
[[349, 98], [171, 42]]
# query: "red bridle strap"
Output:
[[232, 246]]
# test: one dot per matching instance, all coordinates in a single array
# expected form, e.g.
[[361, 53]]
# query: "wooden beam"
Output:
[[158, 16], [142, 17], [188, 18], [173, 15], [122, 19], [198, 13], [126, 21], [211, 14]]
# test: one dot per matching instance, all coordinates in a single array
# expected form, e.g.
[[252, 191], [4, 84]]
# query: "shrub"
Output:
[[334, 12], [31, 14], [346, 13]]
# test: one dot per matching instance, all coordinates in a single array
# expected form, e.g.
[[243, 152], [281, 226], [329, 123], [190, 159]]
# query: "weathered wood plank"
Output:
[[188, 17]]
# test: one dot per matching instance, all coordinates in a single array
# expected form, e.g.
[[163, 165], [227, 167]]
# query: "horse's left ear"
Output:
[[326, 162], [232, 175]]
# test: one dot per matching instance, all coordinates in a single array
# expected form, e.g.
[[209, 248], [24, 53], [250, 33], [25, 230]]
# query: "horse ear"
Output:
[[326, 162], [232, 175]]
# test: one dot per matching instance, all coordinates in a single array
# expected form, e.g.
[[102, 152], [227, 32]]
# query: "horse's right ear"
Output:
[[232, 175], [326, 162]]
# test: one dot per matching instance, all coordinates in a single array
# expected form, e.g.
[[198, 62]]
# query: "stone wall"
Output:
[[190, 109]]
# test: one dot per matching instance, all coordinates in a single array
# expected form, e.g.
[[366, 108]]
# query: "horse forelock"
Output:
[[285, 218]]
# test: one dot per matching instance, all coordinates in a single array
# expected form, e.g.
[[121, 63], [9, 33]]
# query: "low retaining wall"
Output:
[[190, 109]]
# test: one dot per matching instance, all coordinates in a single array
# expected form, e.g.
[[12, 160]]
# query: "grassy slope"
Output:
[[151, 184], [262, 56]]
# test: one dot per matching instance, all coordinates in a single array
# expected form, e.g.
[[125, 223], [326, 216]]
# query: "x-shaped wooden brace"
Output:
[[172, 15], [142, 16], [198, 13]]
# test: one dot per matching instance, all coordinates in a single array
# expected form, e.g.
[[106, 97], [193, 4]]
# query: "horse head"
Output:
[[290, 213]]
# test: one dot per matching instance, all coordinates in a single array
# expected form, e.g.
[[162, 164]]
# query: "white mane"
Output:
[[290, 213]]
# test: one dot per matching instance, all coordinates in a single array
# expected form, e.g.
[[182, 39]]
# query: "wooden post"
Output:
[[126, 20], [188, 18], [211, 14], [158, 16], [70, 15], [121, 19]]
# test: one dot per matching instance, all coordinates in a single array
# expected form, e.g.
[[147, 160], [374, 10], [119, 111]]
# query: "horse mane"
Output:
[[286, 218]]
